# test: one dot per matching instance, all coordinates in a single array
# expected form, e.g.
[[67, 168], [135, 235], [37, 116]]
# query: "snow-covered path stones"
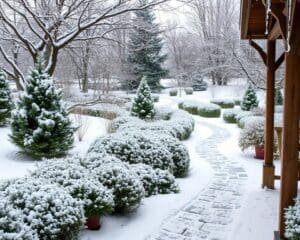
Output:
[[209, 215]]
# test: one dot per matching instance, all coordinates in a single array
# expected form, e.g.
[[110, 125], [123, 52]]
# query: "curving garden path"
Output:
[[209, 215]]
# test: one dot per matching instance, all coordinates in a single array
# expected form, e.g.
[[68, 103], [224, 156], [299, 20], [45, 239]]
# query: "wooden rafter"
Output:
[[294, 39], [259, 49]]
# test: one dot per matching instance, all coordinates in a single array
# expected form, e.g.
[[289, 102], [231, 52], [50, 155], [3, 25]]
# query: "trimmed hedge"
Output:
[[189, 91], [173, 92], [229, 116], [223, 103], [208, 110]]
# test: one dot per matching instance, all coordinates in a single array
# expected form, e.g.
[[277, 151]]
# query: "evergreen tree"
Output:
[[5, 99], [278, 97], [40, 124], [143, 105], [249, 100], [144, 56]]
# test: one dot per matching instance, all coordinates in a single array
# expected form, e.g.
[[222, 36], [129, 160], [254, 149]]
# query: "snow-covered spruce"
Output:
[[223, 103], [143, 104], [148, 177], [292, 221], [229, 116], [46, 208], [127, 189], [249, 100], [134, 147], [79, 182], [166, 182], [252, 134], [199, 108], [40, 123], [5, 98]]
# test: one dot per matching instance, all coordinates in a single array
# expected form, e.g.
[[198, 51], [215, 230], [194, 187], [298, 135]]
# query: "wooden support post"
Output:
[[289, 165], [268, 168]]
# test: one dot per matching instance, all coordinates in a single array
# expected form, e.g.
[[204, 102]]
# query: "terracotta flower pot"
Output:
[[260, 151], [93, 223]]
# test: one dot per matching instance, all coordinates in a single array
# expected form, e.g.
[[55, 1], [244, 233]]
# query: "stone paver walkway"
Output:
[[209, 215]]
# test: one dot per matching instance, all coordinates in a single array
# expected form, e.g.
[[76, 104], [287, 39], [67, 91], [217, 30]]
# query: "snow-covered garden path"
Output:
[[208, 216]]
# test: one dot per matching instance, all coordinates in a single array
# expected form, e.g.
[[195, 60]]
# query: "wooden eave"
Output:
[[253, 19]]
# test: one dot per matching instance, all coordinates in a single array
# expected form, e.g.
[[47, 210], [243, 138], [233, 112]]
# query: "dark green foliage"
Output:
[[5, 99], [229, 116], [144, 50], [224, 103], [143, 105], [173, 92], [209, 113], [40, 124], [278, 97], [249, 100]]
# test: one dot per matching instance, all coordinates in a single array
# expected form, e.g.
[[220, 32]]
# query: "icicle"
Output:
[[289, 2], [268, 11]]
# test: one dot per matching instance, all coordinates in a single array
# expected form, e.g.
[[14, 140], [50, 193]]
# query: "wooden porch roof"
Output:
[[253, 18]]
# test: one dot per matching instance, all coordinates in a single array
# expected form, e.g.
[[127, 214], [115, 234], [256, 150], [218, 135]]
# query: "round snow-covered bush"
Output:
[[176, 123], [80, 183], [246, 120], [155, 98], [46, 208], [223, 103], [292, 221], [166, 182], [173, 92], [199, 108], [126, 186], [163, 113], [188, 91], [12, 225], [180, 154], [148, 177], [134, 147], [229, 116], [252, 134]]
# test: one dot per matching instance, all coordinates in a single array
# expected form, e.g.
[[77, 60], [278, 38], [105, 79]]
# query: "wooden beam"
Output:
[[289, 164], [294, 40], [268, 168], [244, 17], [275, 33], [279, 61], [259, 49]]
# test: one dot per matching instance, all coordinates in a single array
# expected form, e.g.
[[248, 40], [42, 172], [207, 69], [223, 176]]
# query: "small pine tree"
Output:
[[278, 97], [249, 99], [143, 105], [5, 99], [145, 45], [40, 124]]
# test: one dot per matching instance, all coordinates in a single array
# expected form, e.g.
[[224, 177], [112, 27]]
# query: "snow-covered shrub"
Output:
[[173, 92], [5, 98], [278, 97], [292, 221], [246, 120], [252, 134], [143, 104], [126, 186], [229, 116], [163, 113], [237, 101], [12, 225], [166, 182], [148, 177], [134, 147], [258, 111], [242, 114], [155, 98], [188, 91], [79, 182], [46, 208], [200, 108], [180, 154], [249, 100], [176, 123], [223, 103], [40, 123]]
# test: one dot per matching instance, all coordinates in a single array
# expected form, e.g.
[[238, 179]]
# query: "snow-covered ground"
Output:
[[255, 219]]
